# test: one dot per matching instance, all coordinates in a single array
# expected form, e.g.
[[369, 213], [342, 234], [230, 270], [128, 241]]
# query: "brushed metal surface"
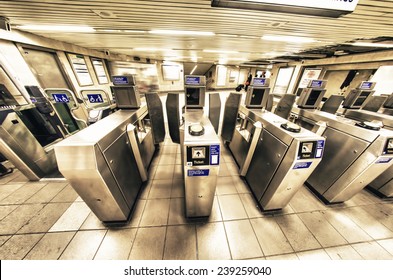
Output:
[[21, 147], [362, 115], [288, 180], [199, 190], [230, 114], [265, 163], [101, 166], [383, 184], [341, 151], [214, 110], [133, 143], [239, 147], [351, 155]]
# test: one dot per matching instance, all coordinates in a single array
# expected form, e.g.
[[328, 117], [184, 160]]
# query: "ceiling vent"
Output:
[[104, 14]]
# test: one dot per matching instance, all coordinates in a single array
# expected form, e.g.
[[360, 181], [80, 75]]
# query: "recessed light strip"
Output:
[[181, 32], [63, 28], [292, 39]]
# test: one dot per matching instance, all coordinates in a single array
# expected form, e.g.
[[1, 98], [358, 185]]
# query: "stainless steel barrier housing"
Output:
[[106, 162], [354, 155]]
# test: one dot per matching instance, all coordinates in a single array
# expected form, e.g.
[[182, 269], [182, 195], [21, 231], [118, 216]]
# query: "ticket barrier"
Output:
[[98, 104], [106, 163], [355, 154], [199, 144], [21, 147], [383, 184], [275, 156], [200, 151]]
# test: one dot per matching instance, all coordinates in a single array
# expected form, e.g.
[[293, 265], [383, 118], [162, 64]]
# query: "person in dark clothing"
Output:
[[248, 81]]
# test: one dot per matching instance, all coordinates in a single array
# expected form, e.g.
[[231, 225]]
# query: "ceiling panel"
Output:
[[235, 30]]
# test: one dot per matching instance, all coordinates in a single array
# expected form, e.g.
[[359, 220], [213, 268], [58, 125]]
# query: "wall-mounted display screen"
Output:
[[99, 69], [80, 69], [171, 72]]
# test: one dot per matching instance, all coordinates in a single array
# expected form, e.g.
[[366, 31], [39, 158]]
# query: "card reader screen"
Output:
[[389, 146]]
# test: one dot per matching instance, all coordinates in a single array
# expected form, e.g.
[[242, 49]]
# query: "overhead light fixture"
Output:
[[323, 8], [291, 39], [193, 69], [152, 49], [219, 51], [121, 30], [182, 32], [373, 45], [60, 28]]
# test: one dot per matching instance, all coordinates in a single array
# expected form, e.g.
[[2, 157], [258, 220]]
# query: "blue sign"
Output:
[[319, 150], [302, 165], [120, 80], [366, 85], [60, 97], [198, 172], [316, 83], [214, 154], [95, 98], [259, 82], [384, 160], [193, 80]]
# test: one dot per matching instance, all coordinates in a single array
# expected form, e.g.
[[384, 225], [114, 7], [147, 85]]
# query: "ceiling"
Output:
[[128, 27]]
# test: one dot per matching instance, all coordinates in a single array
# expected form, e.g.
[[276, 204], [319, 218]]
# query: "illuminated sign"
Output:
[[192, 80]]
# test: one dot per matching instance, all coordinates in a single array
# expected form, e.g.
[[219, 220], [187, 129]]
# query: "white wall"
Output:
[[384, 79]]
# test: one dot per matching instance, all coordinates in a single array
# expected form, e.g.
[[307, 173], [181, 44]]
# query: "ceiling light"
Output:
[[152, 49], [228, 35], [219, 51], [325, 8], [193, 69], [121, 30], [62, 28], [376, 45], [292, 39], [182, 32]]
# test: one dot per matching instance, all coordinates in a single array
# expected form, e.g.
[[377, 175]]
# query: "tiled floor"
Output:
[[47, 220]]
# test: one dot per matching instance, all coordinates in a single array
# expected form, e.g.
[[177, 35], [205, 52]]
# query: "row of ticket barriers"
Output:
[[336, 150]]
